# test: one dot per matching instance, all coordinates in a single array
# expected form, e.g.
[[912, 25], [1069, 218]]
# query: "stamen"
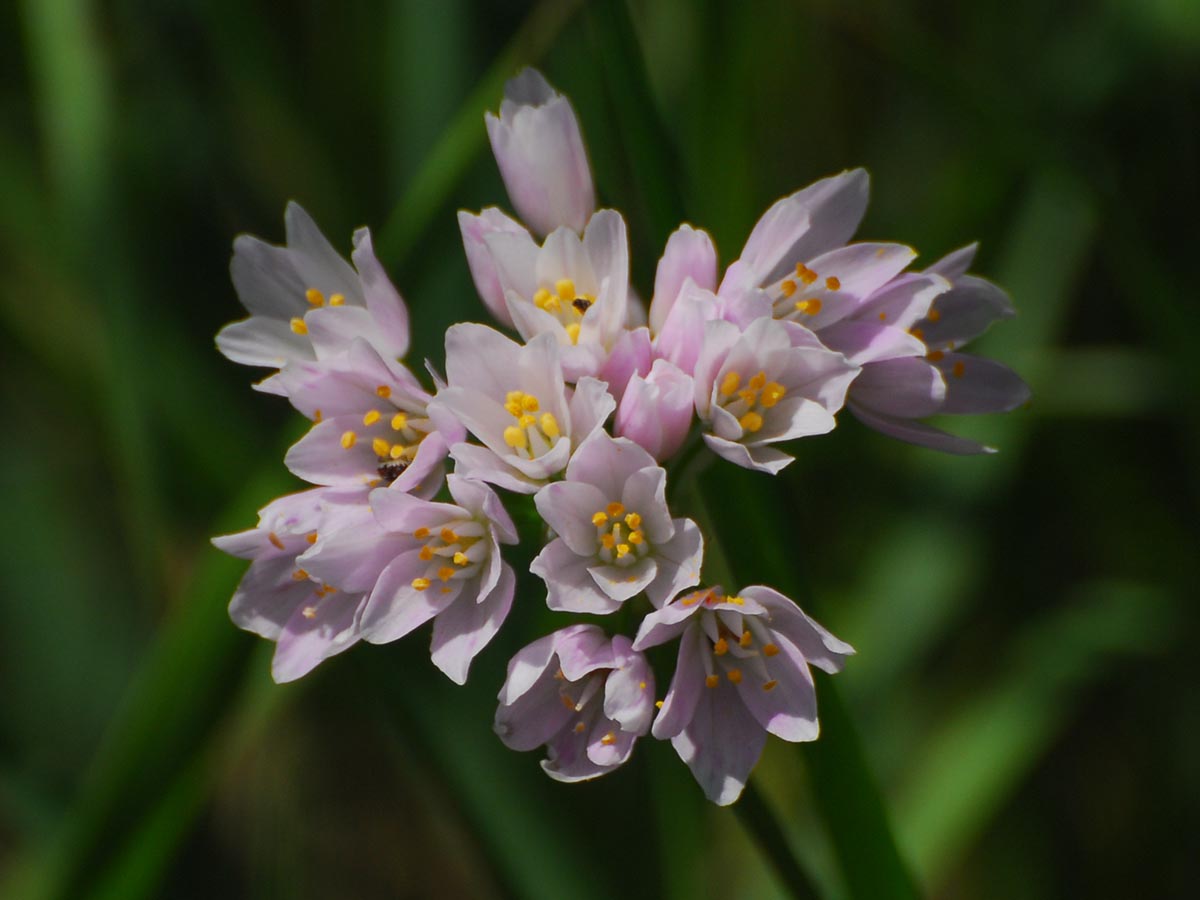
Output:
[[614, 509], [529, 403], [460, 559], [317, 416], [383, 391], [448, 536], [311, 537], [349, 439], [736, 601], [759, 381], [788, 287], [426, 553], [565, 288], [772, 394], [917, 333], [445, 573], [658, 704], [608, 739], [811, 306], [769, 650], [598, 519], [833, 283], [579, 727], [516, 438], [623, 550], [934, 355], [381, 447], [550, 426], [540, 296], [730, 383], [421, 533], [721, 647], [770, 685], [934, 315], [371, 417], [959, 368], [608, 541], [633, 520], [274, 539], [337, 299], [805, 274], [636, 537], [399, 421], [751, 421], [712, 681], [734, 675], [309, 612], [573, 332], [397, 451], [746, 639], [314, 297], [421, 584], [300, 575], [299, 327], [883, 317]]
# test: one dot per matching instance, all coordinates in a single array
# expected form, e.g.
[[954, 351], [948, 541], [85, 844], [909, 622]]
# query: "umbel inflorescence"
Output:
[[585, 411]]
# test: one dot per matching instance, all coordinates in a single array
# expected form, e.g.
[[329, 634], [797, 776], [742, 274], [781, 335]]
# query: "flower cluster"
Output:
[[584, 412]]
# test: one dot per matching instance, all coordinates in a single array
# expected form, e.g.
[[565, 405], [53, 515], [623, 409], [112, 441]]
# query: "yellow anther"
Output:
[[934, 315], [529, 403], [623, 550], [550, 426], [788, 287], [633, 520], [772, 394], [736, 601], [730, 383], [300, 575], [641, 685], [448, 536], [746, 639], [769, 650], [299, 327], [383, 391], [274, 539], [349, 439], [658, 704], [515, 437], [317, 415], [309, 612], [734, 675], [567, 702], [721, 647], [421, 533], [833, 283], [337, 299], [397, 451], [759, 381], [425, 554], [811, 306], [446, 573], [565, 288], [934, 355], [311, 537], [460, 559], [712, 681], [751, 421], [381, 447], [399, 421], [883, 317], [540, 296], [636, 538], [314, 297], [917, 333], [805, 274], [573, 332], [608, 541], [609, 738], [526, 421], [553, 303], [959, 368], [749, 396], [579, 727], [371, 418], [421, 584], [770, 685], [615, 509], [598, 519]]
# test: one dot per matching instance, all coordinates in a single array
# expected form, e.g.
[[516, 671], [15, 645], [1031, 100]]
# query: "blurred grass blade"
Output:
[[462, 141], [760, 821]]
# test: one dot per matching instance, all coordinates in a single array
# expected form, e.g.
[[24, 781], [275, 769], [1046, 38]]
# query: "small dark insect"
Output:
[[581, 304], [391, 469]]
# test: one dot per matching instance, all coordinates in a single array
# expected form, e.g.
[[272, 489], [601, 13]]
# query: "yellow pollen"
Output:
[[623, 550], [540, 296], [300, 575], [383, 391], [712, 681], [274, 539], [641, 685], [397, 451], [381, 447], [959, 368], [573, 332], [746, 639], [460, 559], [550, 426], [579, 727], [772, 394], [299, 327], [317, 415], [309, 612], [934, 355], [633, 520], [311, 537], [934, 315], [805, 274], [553, 303], [314, 297], [349, 439], [421, 533], [736, 601], [337, 299], [833, 283], [636, 537], [565, 288], [529, 403], [769, 650], [448, 536], [769, 685], [609, 738], [445, 590], [788, 288], [421, 584], [608, 541], [734, 675], [658, 704], [526, 421], [598, 519], [399, 422], [721, 647], [567, 702], [426, 553], [811, 306], [751, 421], [758, 382], [614, 509], [515, 437], [446, 573], [371, 418], [917, 333], [730, 383], [883, 317]]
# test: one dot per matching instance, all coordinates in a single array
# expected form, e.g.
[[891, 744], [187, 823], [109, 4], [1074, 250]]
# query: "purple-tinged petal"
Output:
[[320, 266], [528, 665], [656, 411], [625, 582], [864, 342], [569, 585], [568, 507], [918, 433], [266, 279], [629, 690], [352, 558], [475, 229], [590, 405], [483, 464], [689, 254], [721, 744], [467, 626], [260, 341], [909, 388], [680, 559], [978, 385], [818, 647], [582, 650], [607, 463], [395, 607], [667, 623], [609, 745], [903, 301], [631, 355], [313, 634], [686, 686], [955, 264], [534, 716], [399, 511], [963, 313], [786, 705], [760, 458], [383, 301], [646, 491], [567, 758], [684, 333]]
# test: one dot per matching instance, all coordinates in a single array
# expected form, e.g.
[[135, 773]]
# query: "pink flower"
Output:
[[616, 537], [689, 255], [587, 698], [540, 152], [741, 673], [656, 410], [305, 293]]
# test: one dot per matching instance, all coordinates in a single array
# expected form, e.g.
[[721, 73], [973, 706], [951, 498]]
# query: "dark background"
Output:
[[1025, 688]]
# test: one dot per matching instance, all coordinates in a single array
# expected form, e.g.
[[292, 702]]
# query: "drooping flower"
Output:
[[586, 698], [742, 672], [437, 561], [773, 382], [278, 598], [540, 152], [615, 535], [890, 396], [372, 426], [304, 292], [656, 410], [513, 398]]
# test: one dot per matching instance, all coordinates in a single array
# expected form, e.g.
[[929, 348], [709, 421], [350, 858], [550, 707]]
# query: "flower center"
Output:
[[620, 533], [584, 711], [394, 436], [741, 646], [315, 299], [535, 432], [749, 404], [814, 293], [453, 552], [566, 304]]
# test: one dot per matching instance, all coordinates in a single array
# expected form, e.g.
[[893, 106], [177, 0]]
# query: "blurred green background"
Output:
[[1025, 692]]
